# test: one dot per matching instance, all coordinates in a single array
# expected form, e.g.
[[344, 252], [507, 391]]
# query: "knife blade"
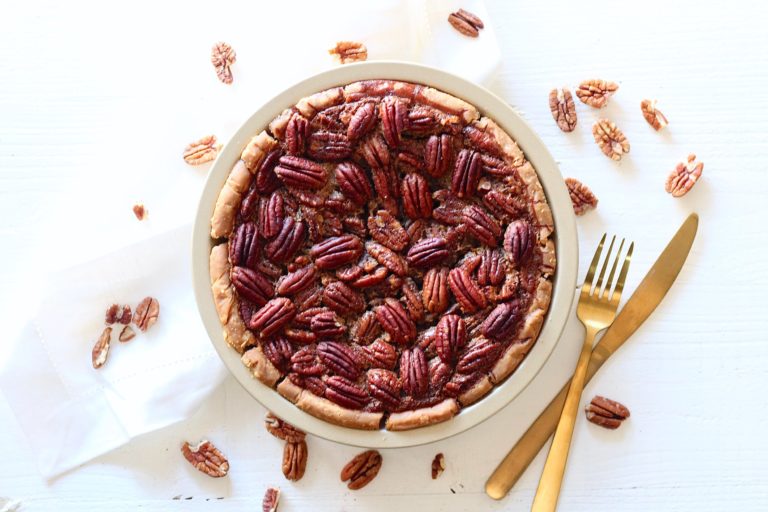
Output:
[[638, 308]]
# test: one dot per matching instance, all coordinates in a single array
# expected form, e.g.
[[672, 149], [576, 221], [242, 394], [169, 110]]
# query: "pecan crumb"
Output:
[[684, 176], [595, 93], [606, 413], [271, 499], [581, 196], [139, 211], [206, 458], [100, 350], [612, 141], [110, 317], [563, 109], [125, 315], [466, 23], [222, 58], [653, 115], [349, 51], [202, 151], [127, 334], [438, 465]]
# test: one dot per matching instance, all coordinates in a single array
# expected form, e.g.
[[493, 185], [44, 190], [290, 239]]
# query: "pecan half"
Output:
[[279, 351], [202, 151], [295, 460], [519, 240], [595, 93], [343, 299], [287, 242], [125, 315], [412, 299], [428, 252], [395, 321], [414, 373], [100, 350], [296, 134], [581, 196], [606, 413], [146, 313], [139, 211], [491, 272], [361, 469], [438, 155], [375, 152], [387, 230], [206, 458], [252, 285], [297, 281], [450, 337], [417, 199], [110, 317], [265, 180], [345, 393], [271, 215], [271, 500], [222, 58], [481, 225], [353, 182], [387, 257], [684, 176], [563, 109], [469, 297], [466, 23], [365, 329], [244, 246], [362, 121], [653, 115], [502, 322], [612, 141], [480, 355], [329, 146], [126, 334], [326, 325], [339, 358], [384, 385], [336, 251], [380, 354], [394, 119], [282, 429], [301, 173], [349, 51], [438, 465], [466, 173], [435, 290], [306, 363], [503, 205], [272, 317]]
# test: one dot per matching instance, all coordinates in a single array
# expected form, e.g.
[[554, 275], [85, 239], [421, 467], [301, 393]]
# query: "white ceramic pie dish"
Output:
[[565, 238]]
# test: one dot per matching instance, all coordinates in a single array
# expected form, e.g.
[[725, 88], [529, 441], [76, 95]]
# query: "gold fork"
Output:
[[596, 310]]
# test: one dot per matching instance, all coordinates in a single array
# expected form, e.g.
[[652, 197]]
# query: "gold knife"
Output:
[[638, 308]]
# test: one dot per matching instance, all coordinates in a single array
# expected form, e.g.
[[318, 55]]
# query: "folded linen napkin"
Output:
[[72, 413]]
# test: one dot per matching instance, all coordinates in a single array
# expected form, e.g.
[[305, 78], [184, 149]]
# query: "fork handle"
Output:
[[554, 468]]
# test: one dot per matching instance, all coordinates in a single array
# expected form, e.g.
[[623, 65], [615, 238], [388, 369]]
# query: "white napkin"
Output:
[[72, 413]]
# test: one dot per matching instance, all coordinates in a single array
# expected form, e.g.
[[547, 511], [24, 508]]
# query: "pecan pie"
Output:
[[383, 255]]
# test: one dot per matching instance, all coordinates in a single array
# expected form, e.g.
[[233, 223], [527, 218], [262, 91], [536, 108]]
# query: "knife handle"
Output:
[[530, 444]]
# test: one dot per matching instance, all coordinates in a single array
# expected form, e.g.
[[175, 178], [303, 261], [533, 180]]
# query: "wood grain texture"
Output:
[[97, 103]]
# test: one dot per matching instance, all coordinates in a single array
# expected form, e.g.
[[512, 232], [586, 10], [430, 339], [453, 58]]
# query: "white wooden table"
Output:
[[96, 102]]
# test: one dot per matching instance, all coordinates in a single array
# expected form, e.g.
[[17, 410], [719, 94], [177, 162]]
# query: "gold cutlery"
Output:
[[596, 310], [638, 308]]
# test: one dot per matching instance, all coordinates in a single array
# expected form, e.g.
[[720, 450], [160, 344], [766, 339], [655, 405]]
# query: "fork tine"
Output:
[[587, 286], [616, 295], [609, 281], [605, 266]]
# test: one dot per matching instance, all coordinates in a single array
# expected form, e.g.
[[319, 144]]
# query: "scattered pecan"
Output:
[[395, 321], [435, 290], [361, 469], [438, 155], [205, 457], [100, 350], [438, 465], [202, 151], [349, 51], [272, 317], [126, 334], [466, 23], [146, 313], [282, 429], [295, 460], [417, 199], [139, 211], [271, 500], [110, 317], [684, 176], [563, 109], [414, 372], [384, 385], [387, 230], [519, 240], [612, 141], [284, 246], [653, 115], [595, 93], [450, 337], [581, 196], [222, 58], [466, 173], [466, 291], [345, 392], [606, 413]]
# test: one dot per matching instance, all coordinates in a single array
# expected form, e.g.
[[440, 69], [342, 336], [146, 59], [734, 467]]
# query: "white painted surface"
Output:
[[96, 103]]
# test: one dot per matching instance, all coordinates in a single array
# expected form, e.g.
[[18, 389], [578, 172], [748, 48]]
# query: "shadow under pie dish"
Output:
[[382, 255]]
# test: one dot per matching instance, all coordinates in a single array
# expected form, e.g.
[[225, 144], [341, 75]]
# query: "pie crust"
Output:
[[474, 205]]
